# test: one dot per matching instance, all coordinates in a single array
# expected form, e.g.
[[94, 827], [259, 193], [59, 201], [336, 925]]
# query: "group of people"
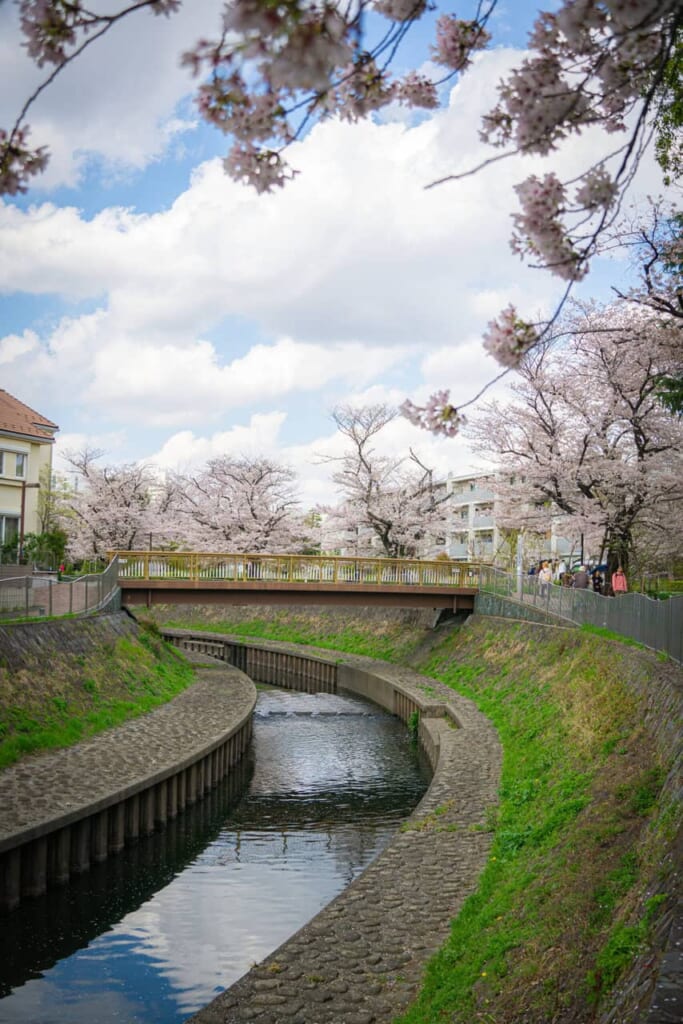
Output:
[[582, 578]]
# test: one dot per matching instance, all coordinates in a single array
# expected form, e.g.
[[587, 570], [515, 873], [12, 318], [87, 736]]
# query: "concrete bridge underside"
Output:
[[150, 592]]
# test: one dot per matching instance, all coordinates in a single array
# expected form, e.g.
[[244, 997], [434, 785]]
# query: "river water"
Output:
[[153, 934]]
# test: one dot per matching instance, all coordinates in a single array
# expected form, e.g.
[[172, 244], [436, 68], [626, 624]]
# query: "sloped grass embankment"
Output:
[[581, 871], [58, 700]]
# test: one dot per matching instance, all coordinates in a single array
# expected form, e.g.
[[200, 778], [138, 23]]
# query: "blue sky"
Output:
[[157, 310]]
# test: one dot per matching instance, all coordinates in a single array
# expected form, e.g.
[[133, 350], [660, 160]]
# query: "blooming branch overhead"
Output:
[[276, 66]]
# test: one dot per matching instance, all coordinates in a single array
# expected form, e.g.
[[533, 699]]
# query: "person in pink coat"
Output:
[[619, 584]]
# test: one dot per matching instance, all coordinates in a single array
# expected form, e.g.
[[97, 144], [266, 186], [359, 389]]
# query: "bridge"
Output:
[[192, 577]]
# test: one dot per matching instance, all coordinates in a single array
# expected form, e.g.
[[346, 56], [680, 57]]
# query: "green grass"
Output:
[[537, 939], [388, 644], [608, 634]]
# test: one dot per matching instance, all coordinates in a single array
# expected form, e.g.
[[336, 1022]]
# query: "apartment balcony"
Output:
[[478, 494], [483, 522], [458, 551]]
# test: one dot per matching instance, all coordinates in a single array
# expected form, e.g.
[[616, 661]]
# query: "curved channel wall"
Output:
[[101, 801]]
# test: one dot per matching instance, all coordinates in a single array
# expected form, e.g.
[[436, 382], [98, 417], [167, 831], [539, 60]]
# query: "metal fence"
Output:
[[656, 624], [34, 596]]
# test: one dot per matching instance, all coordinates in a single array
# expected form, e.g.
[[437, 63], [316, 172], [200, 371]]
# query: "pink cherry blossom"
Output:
[[438, 415], [539, 228], [509, 338], [401, 10], [18, 163], [456, 40], [417, 91], [263, 169]]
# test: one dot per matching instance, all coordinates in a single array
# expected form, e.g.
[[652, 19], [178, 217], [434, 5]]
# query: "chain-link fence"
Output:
[[656, 624], [33, 596]]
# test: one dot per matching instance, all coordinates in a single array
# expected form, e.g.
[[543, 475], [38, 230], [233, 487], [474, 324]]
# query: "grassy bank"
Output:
[[390, 638], [581, 865], [76, 695]]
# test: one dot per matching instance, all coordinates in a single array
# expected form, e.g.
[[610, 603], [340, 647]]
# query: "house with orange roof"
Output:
[[26, 442]]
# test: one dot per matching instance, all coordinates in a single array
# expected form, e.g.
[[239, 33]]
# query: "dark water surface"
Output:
[[156, 932]]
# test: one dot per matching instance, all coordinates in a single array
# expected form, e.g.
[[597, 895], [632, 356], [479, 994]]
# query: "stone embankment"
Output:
[[62, 810]]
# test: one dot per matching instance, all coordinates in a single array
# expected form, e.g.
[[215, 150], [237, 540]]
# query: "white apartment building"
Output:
[[475, 536]]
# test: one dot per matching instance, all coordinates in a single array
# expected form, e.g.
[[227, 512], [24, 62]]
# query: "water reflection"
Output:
[[152, 935]]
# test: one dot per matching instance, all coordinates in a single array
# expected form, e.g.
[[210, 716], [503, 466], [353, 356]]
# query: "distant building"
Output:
[[26, 440], [474, 534]]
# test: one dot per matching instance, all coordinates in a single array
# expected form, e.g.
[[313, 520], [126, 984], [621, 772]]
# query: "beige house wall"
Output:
[[38, 465]]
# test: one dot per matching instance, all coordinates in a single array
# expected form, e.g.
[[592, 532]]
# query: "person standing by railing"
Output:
[[545, 578], [581, 579], [619, 582]]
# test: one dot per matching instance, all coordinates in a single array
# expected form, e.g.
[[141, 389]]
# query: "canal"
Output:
[[150, 936]]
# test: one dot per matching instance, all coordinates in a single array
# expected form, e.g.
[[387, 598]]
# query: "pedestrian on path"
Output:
[[581, 579], [545, 577], [619, 582]]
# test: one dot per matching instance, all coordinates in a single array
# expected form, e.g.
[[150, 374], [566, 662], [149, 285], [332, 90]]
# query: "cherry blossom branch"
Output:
[[46, 41]]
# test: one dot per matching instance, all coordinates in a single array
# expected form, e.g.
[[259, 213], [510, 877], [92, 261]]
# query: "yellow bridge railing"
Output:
[[314, 569]]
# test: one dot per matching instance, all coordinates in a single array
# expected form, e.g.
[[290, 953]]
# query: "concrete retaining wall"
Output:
[[49, 854], [64, 810], [508, 608]]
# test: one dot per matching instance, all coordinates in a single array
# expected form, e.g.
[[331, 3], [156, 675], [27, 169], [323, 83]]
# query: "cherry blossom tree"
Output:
[[388, 502], [241, 504], [114, 507], [588, 440], [275, 66], [655, 240]]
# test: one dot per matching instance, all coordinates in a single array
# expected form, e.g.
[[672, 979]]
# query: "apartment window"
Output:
[[2, 463], [20, 469], [9, 529]]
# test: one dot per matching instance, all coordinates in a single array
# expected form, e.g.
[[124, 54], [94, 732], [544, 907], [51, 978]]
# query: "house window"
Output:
[[9, 529], [2, 463], [20, 469]]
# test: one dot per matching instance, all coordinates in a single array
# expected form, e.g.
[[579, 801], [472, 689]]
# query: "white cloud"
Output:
[[186, 451], [13, 346], [109, 443], [353, 278], [354, 248]]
